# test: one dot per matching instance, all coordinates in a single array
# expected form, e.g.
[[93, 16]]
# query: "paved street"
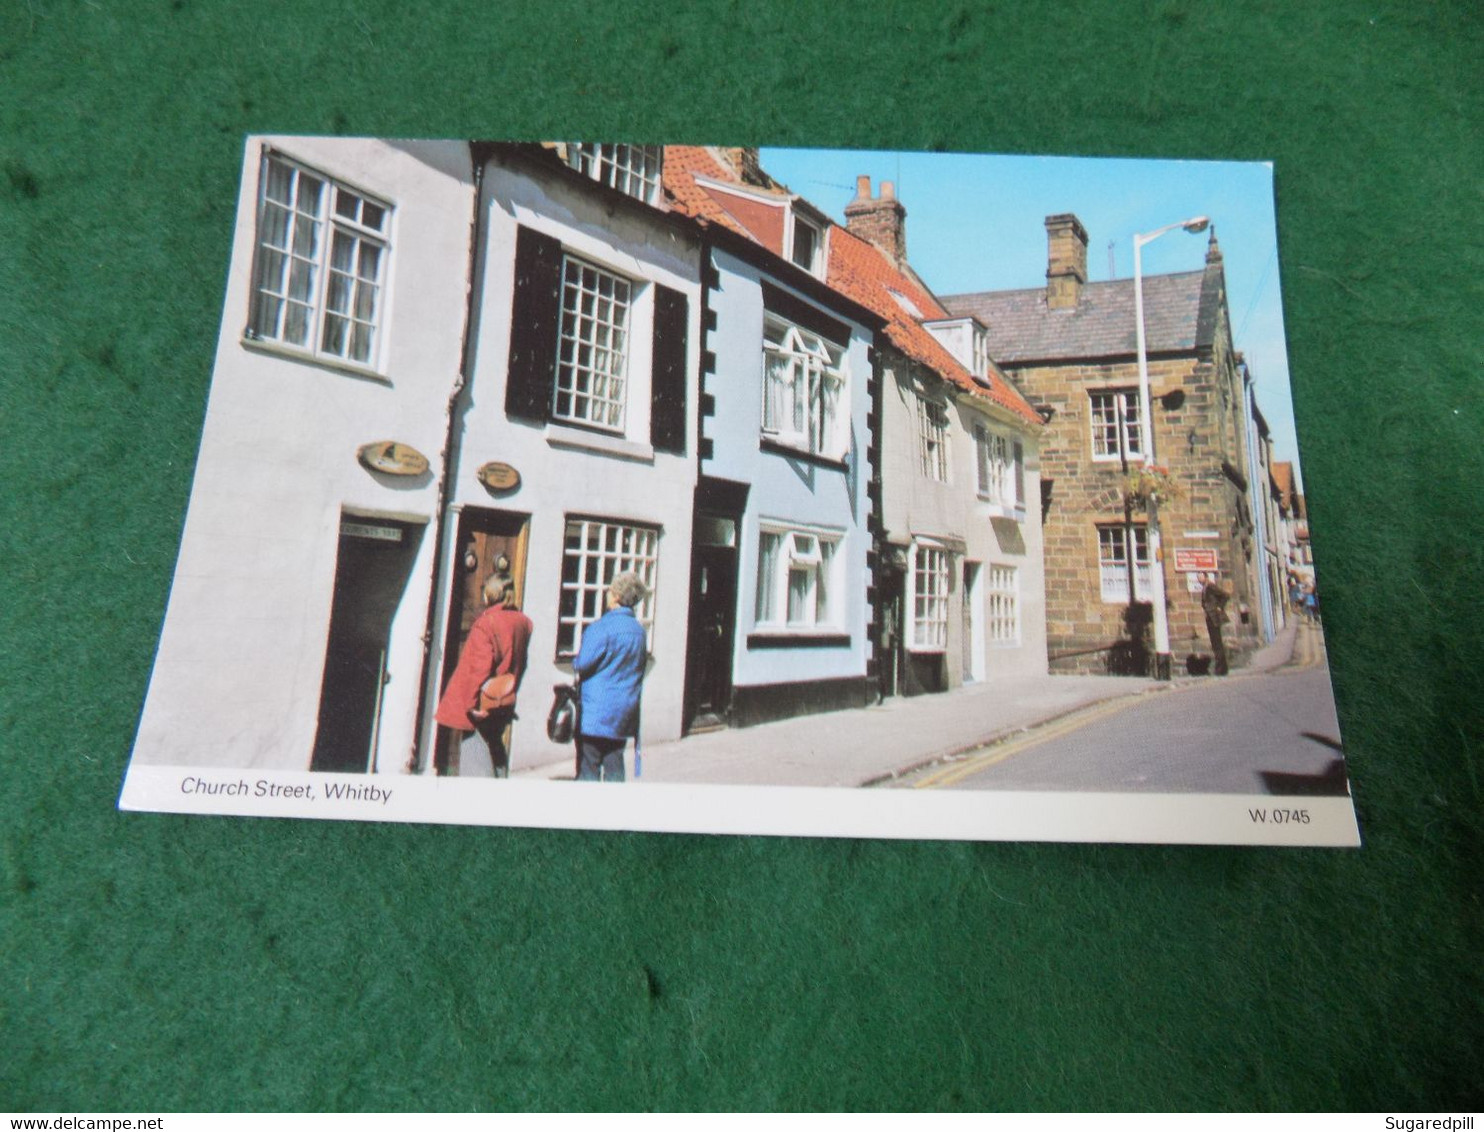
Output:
[[1273, 732], [1269, 728]]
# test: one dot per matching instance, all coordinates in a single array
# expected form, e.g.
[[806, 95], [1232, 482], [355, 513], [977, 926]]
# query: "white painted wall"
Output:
[[915, 506], [784, 489], [567, 471], [237, 676]]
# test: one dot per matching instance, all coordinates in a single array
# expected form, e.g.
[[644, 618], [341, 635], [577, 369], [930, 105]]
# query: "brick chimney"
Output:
[[1066, 261], [746, 163], [879, 220]]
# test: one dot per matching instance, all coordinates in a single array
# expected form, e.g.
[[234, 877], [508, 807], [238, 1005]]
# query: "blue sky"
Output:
[[976, 222]]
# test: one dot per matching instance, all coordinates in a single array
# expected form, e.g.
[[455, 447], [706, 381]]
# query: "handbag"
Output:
[[561, 721], [497, 692]]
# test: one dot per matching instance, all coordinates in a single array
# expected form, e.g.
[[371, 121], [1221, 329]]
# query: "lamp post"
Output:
[[1146, 425]]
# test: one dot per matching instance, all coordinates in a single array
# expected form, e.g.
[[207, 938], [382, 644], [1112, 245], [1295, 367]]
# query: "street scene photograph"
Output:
[[672, 468]]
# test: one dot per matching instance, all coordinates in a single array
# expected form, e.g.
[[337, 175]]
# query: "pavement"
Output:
[[876, 745]]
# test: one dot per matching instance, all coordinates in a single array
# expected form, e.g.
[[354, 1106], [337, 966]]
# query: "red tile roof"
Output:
[[857, 269]]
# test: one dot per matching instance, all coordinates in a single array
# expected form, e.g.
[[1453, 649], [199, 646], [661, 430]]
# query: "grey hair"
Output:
[[628, 589], [497, 587]]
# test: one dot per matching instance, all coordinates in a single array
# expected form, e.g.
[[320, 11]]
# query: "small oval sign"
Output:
[[499, 477], [392, 459]]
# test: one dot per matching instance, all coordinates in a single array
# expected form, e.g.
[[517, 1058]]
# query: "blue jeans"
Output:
[[599, 759]]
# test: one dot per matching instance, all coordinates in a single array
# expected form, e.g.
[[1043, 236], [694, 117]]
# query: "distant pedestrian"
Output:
[[1311, 604], [496, 646], [610, 666], [1213, 605]]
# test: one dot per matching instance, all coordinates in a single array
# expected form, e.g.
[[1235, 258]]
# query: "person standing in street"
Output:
[[610, 668], [496, 646], [1213, 605]]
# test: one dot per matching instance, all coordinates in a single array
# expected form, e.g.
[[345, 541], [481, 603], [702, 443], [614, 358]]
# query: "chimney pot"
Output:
[[882, 221]]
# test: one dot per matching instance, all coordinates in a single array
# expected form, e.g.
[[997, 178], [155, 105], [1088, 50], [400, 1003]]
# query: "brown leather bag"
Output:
[[497, 692]]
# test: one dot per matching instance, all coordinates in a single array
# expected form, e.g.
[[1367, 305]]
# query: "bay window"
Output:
[[804, 387], [797, 586], [928, 582]]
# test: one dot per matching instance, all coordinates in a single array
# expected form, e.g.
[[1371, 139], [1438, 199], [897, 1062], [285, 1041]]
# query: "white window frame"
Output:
[[1115, 542], [1115, 424], [594, 342], [996, 473], [594, 552], [631, 169], [980, 349], [811, 553], [806, 389], [307, 297], [932, 439], [816, 262], [1004, 605], [929, 579]]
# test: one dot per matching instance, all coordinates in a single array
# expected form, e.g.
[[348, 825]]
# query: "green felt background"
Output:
[[158, 962]]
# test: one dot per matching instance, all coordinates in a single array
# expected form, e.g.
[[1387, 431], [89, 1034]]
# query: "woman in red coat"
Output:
[[496, 645]]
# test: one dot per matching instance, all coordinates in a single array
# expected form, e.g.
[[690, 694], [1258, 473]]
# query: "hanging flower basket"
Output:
[[1156, 483]]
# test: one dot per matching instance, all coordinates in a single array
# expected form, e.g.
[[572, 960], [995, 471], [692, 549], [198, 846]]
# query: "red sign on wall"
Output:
[[1189, 560]]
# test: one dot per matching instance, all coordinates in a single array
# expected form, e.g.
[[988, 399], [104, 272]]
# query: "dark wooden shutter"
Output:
[[667, 411], [534, 315], [1019, 474]]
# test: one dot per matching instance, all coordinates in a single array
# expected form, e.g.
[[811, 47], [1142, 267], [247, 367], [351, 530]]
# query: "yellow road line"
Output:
[[1013, 745]]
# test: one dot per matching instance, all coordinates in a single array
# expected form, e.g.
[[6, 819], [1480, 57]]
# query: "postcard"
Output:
[[672, 488]]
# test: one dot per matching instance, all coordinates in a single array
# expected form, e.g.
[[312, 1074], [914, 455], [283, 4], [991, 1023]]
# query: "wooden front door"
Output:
[[488, 542]]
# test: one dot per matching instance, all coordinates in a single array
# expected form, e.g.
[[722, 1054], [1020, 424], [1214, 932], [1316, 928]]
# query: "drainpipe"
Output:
[[477, 157]]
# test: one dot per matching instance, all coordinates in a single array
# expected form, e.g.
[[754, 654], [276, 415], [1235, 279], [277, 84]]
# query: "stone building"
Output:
[[1070, 347]]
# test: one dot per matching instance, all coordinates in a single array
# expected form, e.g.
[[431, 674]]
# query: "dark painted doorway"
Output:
[[372, 566], [713, 622], [488, 541]]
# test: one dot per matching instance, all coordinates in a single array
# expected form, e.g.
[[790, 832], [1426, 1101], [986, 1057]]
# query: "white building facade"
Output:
[[294, 638], [574, 447]]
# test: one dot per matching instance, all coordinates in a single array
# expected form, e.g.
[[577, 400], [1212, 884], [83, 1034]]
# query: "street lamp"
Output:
[[1146, 425]]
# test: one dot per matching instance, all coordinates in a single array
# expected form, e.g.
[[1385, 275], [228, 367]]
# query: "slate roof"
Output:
[[856, 269], [1181, 313]]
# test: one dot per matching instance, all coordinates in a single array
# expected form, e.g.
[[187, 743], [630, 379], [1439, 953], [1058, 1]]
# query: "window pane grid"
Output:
[[930, 598], [795, 579], [1113, 559], [593, 347], [996, 467], [305, 281], [1115, 424], [631, 169], [1004, 605], [932, 435], [595, 553]]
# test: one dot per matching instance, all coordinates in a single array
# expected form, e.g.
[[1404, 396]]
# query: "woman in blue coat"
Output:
[[610, 664]]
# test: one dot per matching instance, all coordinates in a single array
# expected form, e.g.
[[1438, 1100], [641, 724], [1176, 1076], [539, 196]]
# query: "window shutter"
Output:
[[1019, 474], [667, 412], [534, 315]]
